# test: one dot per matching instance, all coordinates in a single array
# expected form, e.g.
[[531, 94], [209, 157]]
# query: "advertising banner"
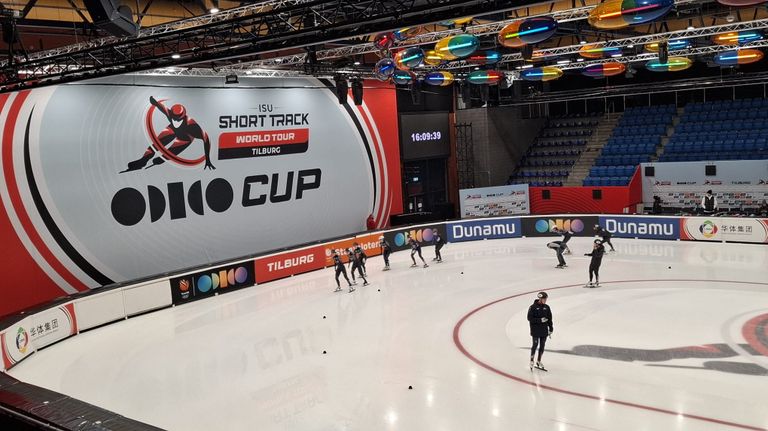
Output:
[[289, 263], [37, 331], [735, 184], [369, 244], [494, 201], [724, 229], [475, 230], [398, 239], [210, 282], [543, 226], [182, 170], [642, 227]]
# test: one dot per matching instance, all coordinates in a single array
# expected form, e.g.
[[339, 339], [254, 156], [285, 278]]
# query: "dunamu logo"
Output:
[[484, 231], [639, 228]]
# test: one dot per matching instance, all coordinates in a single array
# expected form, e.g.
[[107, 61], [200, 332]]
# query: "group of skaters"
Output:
[[357, 258], [598, 250], [539, 313]]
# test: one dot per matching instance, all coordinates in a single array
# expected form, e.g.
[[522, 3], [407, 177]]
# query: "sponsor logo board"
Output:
[[212, 281], [724, 229], [286, 264], [369, 243], [37, 331], [484, 229], [642, 227], [543, 226], [398, 239]]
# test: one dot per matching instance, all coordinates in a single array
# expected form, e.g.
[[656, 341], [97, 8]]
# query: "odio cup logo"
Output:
[[420, 235], [22, 340], [573, 225], [708, 229], [222, 279], [180, 133]]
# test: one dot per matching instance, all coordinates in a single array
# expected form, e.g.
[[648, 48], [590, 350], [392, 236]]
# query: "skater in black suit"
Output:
[[540, 320], [439, 243], [598, 250], [605, 235], [338, 265], [416, 248], [386, 250]]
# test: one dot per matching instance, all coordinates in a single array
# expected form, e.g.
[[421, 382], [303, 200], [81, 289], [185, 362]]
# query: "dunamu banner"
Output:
[[117, 179], [494, 201]]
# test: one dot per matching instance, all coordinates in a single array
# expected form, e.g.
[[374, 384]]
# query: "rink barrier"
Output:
[[32, 330]]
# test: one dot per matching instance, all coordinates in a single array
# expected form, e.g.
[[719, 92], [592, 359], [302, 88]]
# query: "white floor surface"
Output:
[[664, 344]]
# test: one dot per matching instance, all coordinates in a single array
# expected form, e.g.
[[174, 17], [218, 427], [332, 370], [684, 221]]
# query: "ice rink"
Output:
[[675, 339]]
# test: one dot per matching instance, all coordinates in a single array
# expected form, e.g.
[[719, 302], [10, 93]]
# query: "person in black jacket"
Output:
[[338, 265], [386, 250], [415, 248], [594, 265], [605, 235], [439, 243], [566, 237], [540, 320], [359, 250]]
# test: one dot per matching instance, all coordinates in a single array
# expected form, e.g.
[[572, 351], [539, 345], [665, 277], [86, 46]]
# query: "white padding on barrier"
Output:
[[99, 309], [146, 297]]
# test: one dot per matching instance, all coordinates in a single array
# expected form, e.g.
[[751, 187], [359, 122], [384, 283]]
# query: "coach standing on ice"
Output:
[[540, 319]]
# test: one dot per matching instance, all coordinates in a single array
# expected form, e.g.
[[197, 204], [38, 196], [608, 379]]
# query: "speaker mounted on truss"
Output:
[[115, 19]]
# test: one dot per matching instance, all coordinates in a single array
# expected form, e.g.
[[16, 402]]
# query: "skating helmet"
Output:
[[381, 237], [542, 295], [597, 241], [178, 115]]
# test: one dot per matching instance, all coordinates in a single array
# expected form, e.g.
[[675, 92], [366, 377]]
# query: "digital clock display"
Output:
[[425, 135]]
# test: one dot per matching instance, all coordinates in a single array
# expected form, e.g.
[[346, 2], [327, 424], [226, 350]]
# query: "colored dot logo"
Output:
[[221, 279], [542, 226], [421, 235], [573, 225], [708, 229]]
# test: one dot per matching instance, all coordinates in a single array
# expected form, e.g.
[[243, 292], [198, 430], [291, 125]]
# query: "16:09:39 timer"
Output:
[[426, 136]]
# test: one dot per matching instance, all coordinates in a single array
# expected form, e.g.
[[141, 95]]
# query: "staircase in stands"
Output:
[[592, 150]]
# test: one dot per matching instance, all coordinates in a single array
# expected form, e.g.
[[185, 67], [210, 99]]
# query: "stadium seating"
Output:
[[557, 147], [721, 130], [633, 141]]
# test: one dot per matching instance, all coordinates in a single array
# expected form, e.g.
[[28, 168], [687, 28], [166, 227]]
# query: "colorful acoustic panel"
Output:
[[384, 69], [740, 3], [459, 46], [673, 64], [674, 44], [433, 58], [613, 14], [409, 58], [604, 70], [491, 77], [441, 79], [737, 37], [484, 57], [738, 56], [405, 33], [527, 31], [595, 51], [403, 77], [546, 73], [384, 41]]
